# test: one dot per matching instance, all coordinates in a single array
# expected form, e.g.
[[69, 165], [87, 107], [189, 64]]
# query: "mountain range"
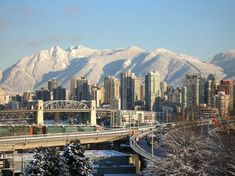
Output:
[[33, 72]]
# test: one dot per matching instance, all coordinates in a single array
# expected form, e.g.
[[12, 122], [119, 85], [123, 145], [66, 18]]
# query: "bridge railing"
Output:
[[65, 136], [19, 142], [76, 133], [135, 146]]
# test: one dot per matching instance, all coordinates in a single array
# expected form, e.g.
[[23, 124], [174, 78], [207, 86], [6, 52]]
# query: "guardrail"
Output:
[[135, 146], [61, 138], [26, 139], [143, 128]]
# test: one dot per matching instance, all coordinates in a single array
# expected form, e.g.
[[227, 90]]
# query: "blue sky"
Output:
[[200, 28]]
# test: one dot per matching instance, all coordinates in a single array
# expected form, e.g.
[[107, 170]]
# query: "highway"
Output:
[[135, 146], [59, 139], [137, 137], [13, 143]]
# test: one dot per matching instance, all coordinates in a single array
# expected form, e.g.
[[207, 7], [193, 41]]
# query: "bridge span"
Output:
[[87, 111], [52, 140]]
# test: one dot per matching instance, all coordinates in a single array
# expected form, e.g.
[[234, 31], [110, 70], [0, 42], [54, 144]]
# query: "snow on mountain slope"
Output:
[[35, 71], [95, 67], [173, 67], [24, 74], [226, 60]]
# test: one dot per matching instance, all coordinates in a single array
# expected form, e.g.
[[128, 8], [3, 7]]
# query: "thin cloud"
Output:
[[72, 10]]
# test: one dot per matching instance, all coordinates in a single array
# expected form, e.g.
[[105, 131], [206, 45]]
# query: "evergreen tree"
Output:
[[46, 161], [75, 160]]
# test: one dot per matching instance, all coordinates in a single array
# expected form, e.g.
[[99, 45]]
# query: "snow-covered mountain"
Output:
[[35, 71], [226, 60]]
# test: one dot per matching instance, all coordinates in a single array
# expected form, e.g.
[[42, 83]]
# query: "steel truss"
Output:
[[64, 104], [104, 113], [17, 115]]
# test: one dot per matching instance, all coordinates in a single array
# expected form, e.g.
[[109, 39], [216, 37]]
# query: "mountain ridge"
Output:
[[33, 72], [225, 60]]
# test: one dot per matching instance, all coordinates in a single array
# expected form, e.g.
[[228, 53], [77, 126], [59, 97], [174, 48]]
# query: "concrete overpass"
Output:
[[51, 140], [138, 136]]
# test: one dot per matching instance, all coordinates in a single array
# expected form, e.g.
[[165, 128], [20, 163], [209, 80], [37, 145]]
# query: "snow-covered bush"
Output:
[[49, 161]]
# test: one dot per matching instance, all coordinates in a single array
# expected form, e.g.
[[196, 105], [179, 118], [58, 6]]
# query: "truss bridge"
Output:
[[86, 109]]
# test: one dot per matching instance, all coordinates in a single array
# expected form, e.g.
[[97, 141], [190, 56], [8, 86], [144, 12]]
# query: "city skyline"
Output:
[[200, 28], [146, 115], [117, 87]]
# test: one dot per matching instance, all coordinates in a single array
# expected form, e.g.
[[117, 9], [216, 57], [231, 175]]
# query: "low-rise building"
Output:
[[111, 162], [128, 118]]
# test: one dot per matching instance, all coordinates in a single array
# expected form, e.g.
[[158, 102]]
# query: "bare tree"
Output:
[[188, 153], [223, 142]]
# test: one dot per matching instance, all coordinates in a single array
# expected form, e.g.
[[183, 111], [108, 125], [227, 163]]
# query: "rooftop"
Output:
[[103, 153]]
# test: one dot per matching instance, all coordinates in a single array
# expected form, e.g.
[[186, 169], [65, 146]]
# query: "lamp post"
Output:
[[152, 142]]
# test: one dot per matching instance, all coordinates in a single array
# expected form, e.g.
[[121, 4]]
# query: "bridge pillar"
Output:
[[93, 112], [40, 116]]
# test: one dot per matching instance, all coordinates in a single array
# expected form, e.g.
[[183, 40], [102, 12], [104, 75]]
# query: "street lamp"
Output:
[[152, 142]]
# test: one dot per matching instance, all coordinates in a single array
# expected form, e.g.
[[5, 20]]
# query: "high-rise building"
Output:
[[152, 89], [101, 94], [115, 104], [227, 87], [43, 94], [195, 89], [52, 84], [163, 88], [73, 88], [83, 89], [158, 104], [184, 98], [222, 104], [142, 92], [175, 97], [210, 90], [27, 96], [169, 89], [111, 89], [96, 94], [60, 93], [128, 90], [202, 83], [137, 89]]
